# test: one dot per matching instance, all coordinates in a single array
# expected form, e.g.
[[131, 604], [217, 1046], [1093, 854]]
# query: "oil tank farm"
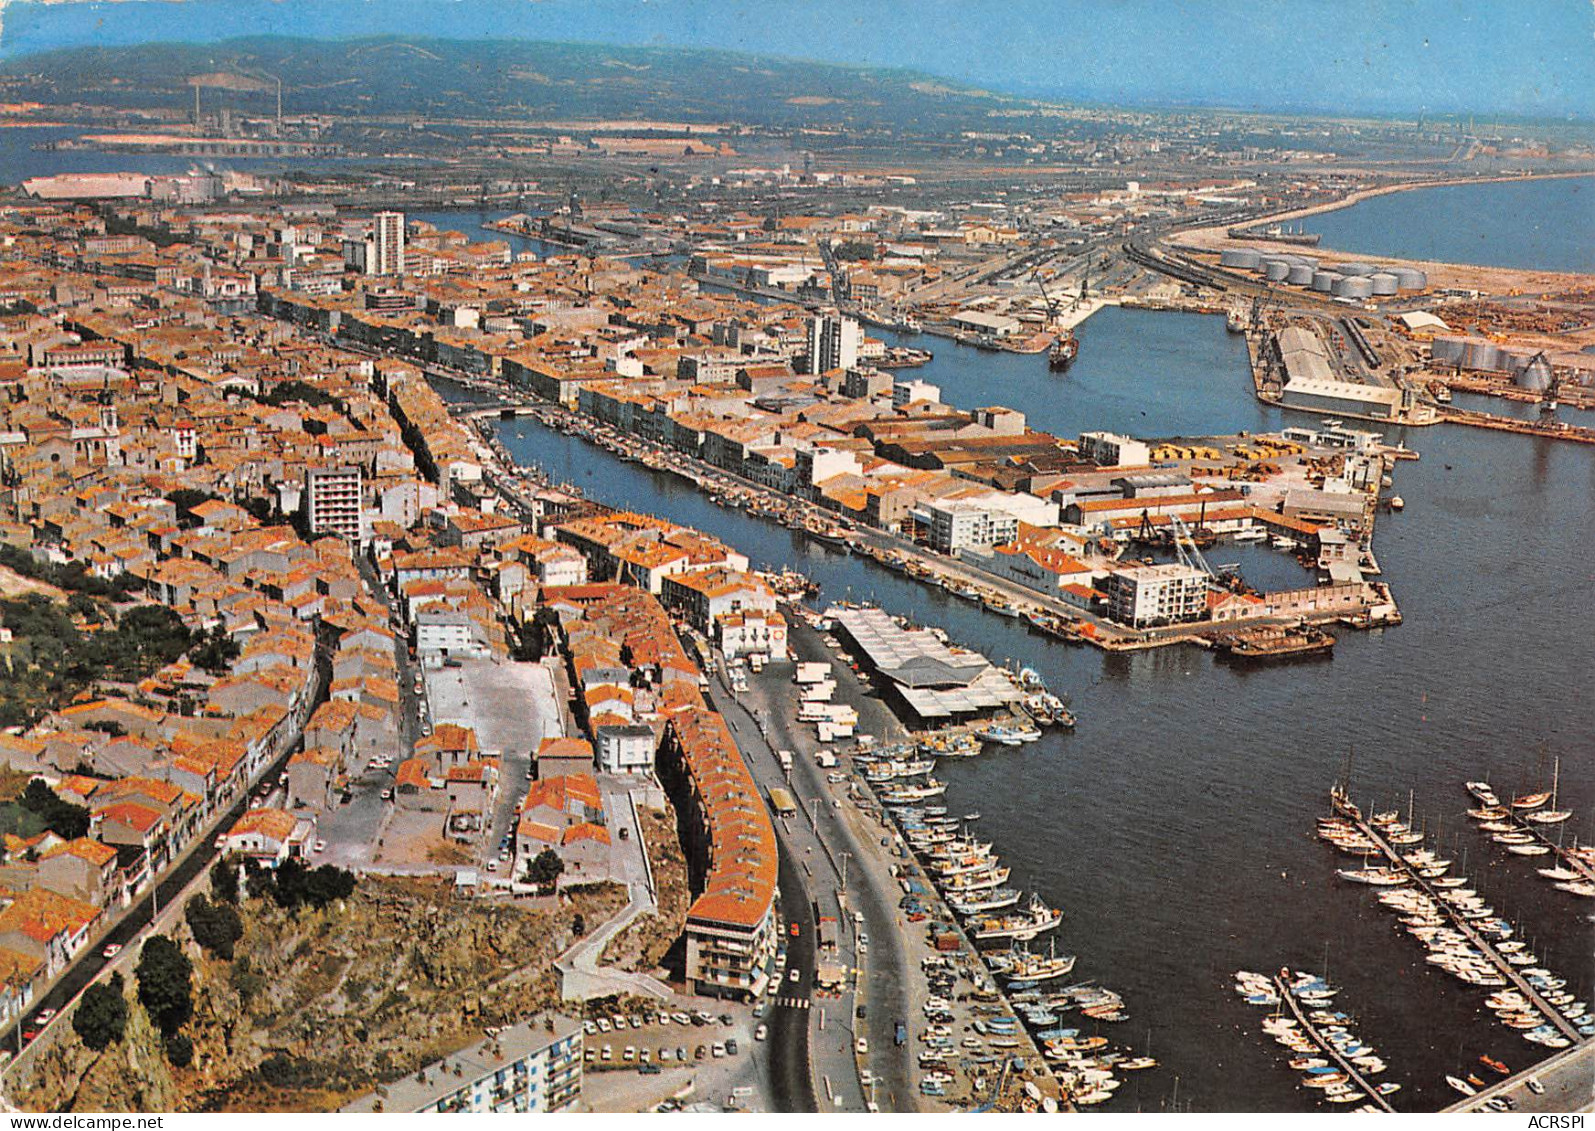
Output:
[[1304, 271], [1352, 286]]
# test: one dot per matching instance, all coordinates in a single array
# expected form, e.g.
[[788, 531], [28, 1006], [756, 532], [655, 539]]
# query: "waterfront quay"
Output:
[[858, 878], [1362, 604]]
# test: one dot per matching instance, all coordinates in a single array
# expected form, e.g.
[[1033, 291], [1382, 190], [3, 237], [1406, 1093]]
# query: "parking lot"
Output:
[[637, 1059]]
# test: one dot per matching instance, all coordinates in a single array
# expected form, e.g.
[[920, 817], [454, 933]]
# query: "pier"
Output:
[[1577, 863], [1368, 1090], [1344, 808]]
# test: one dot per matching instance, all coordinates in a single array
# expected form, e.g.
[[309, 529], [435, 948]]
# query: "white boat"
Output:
[[1462, 1086]]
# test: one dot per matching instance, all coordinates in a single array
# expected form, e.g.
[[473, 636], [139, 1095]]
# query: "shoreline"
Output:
[[1408, 186]]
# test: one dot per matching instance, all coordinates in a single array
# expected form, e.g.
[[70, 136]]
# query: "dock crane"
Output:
[[1186, 549]]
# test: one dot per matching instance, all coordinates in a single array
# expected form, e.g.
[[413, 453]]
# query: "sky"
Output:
[[1515, 58]]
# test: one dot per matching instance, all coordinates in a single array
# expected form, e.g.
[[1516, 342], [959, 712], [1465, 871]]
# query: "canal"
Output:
[[1175, 825]]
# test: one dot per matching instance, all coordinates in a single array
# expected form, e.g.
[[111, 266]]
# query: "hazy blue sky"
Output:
[[1510, 57]]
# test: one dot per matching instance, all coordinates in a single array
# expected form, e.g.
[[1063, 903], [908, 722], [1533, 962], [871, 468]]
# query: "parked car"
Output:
[[861, 1046], [111, 950], [761, 1032]]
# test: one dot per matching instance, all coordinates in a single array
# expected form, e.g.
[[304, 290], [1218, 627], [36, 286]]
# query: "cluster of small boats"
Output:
[[1086, 1065], [973, 883], [1519, 827], [1325, 1049]]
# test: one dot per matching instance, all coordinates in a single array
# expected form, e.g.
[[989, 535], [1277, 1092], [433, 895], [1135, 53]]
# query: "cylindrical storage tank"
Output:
[[1310, 260], [1275, 270], [1510, 359], [1384, 283], [1325, 280], [1410, 278], [1354, 286], [1243, 257], [1481, 355], [1300, 274], [1536, 375], [1355, 268], [1450, 350]]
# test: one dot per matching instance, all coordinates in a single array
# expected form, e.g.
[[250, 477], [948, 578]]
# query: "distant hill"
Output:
[[525, 79]]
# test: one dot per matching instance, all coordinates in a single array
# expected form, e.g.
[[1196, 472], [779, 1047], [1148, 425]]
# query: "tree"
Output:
[[224, 881], [165, 984], [63, 818], [215, 926], [101, 1017], [179, 1050], [214, 651], [545, 870]]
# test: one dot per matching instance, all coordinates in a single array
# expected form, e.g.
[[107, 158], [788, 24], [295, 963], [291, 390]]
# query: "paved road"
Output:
[[1567, 1080], [884, 965], [791, 1083]]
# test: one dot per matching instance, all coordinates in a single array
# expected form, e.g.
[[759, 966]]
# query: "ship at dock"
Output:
[[1270, 645], [1065, 348]]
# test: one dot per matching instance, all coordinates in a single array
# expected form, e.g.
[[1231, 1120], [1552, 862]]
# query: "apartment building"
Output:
[[332, 502]]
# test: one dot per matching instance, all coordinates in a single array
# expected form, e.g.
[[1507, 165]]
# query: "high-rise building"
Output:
[[387, 243], [332, 502], [834, 343]]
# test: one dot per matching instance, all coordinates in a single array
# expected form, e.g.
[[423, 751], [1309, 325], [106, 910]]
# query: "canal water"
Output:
[[1175, 825], [1542, 224]]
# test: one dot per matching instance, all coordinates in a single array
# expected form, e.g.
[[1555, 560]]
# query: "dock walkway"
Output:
[[1330, 1050], [1345, 809]]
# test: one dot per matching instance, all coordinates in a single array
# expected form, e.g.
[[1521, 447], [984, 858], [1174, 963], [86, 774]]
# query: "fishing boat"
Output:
[[1031, 967], [976, 902], [1021, 926]]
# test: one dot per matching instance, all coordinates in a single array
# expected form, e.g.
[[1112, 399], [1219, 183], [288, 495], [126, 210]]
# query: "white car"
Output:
[[604, 1025], [760, 1033]]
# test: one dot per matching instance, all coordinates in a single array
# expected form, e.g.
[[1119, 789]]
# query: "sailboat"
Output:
[[1553, 815]]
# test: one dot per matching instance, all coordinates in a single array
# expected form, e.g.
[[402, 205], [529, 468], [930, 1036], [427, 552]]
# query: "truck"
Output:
[[811, 671], [825, 758], [781, 801], [785, 758], [828, 731], [818, 692]]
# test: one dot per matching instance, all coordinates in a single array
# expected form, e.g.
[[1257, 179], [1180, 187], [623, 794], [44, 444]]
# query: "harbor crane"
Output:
[[1186, 549], [1052, 304]]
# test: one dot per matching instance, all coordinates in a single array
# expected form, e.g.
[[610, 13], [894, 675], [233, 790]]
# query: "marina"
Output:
[[1464, 936]]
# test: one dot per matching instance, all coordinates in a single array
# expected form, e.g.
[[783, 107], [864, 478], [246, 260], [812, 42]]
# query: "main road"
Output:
[[765, 716]]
